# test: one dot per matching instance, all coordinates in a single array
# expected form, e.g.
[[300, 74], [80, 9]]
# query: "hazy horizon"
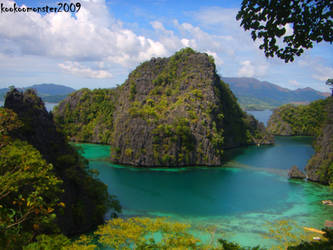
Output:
[[98, 46]]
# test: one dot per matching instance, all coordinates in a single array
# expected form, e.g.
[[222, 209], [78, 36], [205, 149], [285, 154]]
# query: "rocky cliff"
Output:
[[85, 197], [315, 119], [176, 111], [298, 120], [320, 166], [172, 112], [87, 115]]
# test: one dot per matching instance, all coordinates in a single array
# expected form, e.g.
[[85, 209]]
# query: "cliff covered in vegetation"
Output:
[[320, 166], [315, 119], [43, 179], [87, 115], [170, 112], [298, 120]]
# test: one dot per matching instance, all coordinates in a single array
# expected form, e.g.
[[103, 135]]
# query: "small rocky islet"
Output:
[[177, 111]]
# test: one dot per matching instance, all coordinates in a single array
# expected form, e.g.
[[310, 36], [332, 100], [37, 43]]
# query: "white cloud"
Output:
[[294, 83], [93, 35], [320, 71], [323, 73], [247, 69], [94, 44], [190, 36], [218, 60], [76, 68]]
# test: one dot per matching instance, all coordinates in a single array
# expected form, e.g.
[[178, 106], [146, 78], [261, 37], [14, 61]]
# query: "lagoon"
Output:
[[238, 198]]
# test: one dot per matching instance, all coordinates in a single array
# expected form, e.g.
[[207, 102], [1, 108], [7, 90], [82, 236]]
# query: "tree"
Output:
[[28, 188], [268, 20], [329, 82], [287, 233]]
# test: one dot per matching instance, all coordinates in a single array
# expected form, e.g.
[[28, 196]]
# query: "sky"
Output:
[[98, 46]]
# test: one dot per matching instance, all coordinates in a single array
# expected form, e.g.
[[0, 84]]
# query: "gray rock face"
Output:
[[319, 166], [170, 112], [277, 126], [295, 173], [176, 112]]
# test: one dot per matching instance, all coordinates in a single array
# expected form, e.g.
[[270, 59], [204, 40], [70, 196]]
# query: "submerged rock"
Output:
[[295, 173]]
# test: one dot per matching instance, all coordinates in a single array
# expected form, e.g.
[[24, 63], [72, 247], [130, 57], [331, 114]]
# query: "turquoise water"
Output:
[[239, 199]]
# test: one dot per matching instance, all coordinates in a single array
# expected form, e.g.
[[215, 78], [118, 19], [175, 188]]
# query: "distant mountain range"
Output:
[[49, 92], [255, 94], [251, 93]]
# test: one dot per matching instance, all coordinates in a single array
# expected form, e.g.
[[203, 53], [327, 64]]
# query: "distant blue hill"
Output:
[[49, 92], [255, 94]]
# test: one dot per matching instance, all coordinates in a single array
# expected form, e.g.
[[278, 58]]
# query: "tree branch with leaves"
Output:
[[310, 21]]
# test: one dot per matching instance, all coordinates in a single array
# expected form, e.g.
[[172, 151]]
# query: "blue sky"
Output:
[[105, 40]]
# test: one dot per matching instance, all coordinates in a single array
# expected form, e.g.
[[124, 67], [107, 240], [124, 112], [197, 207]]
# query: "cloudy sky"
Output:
[[98, 46]]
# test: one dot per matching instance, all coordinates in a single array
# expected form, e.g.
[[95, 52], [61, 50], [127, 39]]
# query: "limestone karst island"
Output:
[[166, 125]]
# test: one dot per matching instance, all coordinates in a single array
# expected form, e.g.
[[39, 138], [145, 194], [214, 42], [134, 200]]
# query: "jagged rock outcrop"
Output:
[[85, 198], [277, 126], [170, 112], [176, 111], [320, 166], [295, 173]]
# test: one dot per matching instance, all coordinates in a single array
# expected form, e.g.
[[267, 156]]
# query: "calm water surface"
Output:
[[48, 105], [239, 198]]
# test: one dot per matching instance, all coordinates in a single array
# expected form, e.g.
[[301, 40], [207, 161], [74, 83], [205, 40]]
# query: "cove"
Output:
[[239, 198]]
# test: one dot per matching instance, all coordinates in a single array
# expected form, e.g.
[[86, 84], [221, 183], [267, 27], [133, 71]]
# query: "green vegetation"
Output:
[[287, 233], [310, 21], [252, 103], [132, 233], [29, 189], [320, 166], [160, 233], [89, 117], [180, 102], [327, 243], [45, 185], [162, 114], [316, 120], [32, 189], [299, 120]]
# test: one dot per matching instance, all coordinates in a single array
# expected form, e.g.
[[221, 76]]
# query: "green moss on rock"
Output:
[[179, 113]]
